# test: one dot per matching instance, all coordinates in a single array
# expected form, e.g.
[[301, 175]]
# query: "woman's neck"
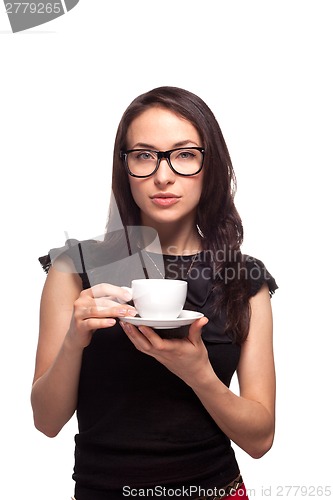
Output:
[[174, 239]]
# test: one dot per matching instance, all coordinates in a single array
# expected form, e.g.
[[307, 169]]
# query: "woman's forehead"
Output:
[[158, 125]]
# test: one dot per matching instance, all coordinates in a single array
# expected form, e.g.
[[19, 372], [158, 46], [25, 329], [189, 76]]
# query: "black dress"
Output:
[[140, 426]]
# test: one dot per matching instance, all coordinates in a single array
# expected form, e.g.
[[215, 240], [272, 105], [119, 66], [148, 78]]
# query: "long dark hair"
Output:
[[217, 216]]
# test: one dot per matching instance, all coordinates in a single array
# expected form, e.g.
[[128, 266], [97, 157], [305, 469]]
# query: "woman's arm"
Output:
[[68, 319], [247, 419], [58, 360]]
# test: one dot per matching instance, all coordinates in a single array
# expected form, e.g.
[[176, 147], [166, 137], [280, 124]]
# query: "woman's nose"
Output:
[[164, 174]]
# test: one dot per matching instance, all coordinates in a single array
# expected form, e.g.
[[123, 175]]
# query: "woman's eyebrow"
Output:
[[142, 145], [176, 145], [185, 143]]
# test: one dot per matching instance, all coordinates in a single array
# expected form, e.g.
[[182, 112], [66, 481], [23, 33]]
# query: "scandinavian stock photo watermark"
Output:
[[105, 254], [25, 15]]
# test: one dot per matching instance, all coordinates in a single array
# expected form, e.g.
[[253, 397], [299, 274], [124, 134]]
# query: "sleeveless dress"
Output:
[[139, 425]]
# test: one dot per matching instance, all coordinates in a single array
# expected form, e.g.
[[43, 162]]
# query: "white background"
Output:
[[264, 67]]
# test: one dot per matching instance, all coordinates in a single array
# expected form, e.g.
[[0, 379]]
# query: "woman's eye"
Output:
[[145, 155], [186, 155]]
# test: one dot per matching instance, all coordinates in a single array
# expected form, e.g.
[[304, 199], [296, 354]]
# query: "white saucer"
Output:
[[185, 318]]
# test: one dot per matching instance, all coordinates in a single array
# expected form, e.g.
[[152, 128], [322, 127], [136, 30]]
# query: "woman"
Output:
[[155, 413]]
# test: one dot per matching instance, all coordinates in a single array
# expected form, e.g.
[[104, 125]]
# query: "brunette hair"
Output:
[[217, 216]]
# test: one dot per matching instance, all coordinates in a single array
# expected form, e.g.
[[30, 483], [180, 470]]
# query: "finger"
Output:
[[129, 290], [108, 290], [107, 302], [195, 330], [93, 324], [153, 338], [104, 302], [136, 337], [95, 311]]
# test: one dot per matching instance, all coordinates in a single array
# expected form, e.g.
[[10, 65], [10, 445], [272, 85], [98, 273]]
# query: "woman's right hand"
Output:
[[68, 319], [97, 307]]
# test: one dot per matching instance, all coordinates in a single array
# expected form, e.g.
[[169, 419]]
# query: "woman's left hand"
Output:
[[187, 357]]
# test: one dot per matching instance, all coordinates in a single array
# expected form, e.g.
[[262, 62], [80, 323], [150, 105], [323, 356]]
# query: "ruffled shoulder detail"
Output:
[[71, 249], [258, 274], [45, 262]]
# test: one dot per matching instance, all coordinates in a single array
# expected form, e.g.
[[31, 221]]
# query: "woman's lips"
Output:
[[165, 201]]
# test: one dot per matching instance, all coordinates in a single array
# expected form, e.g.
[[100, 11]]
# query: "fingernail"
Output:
[[123, 311], [131, 312], [124, 325]]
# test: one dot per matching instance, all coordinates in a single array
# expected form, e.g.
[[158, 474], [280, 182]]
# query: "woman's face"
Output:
[[164, 197]]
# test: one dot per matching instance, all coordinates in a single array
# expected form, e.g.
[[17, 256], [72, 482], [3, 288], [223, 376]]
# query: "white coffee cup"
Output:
[[158, 298]]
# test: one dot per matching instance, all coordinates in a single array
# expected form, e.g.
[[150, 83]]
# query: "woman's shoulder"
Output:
[[258, 274], [94, 260], [74, 257], [73, 251]]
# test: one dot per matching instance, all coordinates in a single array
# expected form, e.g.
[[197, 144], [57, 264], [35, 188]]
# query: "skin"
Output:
[[69, 316]]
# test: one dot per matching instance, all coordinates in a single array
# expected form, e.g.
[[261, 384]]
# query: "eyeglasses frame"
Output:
[[160, 156]]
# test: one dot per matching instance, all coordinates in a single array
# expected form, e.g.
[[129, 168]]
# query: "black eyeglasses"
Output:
[[182, 161]]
